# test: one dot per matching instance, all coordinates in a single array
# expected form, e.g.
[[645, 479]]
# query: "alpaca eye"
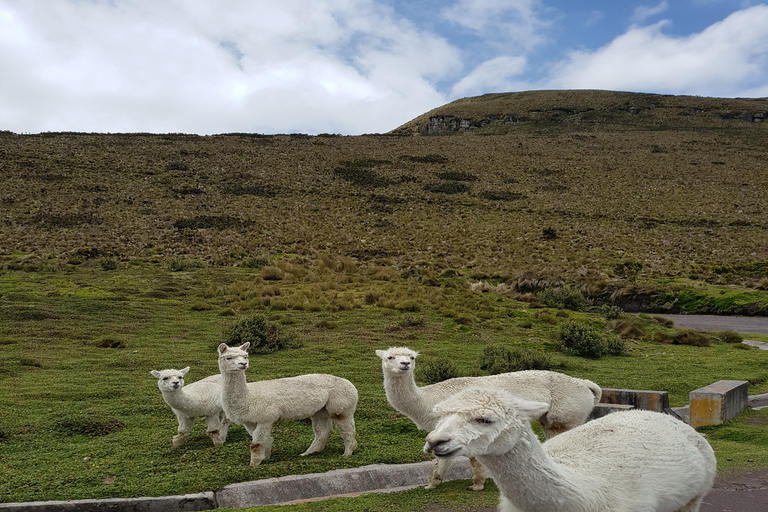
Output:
[[391, 358], [484, 421], [165, 378]]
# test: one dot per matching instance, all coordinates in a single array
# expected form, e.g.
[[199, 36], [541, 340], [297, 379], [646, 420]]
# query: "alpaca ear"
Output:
[[381, 353], [155, 373], [223, 348], [245, 346], [530, 409], [184, 371]]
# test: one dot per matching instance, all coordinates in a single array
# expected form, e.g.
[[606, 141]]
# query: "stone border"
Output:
[[270, 491]]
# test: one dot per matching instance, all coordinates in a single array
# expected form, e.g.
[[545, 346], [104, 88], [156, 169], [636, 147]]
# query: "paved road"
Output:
[[755, 324]]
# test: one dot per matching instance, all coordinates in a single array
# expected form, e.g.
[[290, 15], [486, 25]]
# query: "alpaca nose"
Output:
[[434, 441], [405, 365]]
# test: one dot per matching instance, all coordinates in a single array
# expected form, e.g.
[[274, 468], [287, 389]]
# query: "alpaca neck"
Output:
[[177, 398], [234, 391], [530, 480], [407, 398]]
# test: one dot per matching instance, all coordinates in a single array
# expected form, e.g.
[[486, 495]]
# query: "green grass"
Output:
[[82, 417]]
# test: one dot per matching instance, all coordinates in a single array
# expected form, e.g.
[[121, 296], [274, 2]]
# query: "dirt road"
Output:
[[755, 324]]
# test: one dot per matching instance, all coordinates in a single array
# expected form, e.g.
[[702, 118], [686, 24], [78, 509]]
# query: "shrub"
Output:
[[583, 340], [500, 359], [108, 263], [546, 317], [180, 264], [254, 262], [437, 370], [264, 336], [730, 337], [610, 312], [564, 297]]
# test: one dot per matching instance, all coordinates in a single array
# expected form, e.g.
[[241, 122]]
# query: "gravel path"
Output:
[[755, 324]]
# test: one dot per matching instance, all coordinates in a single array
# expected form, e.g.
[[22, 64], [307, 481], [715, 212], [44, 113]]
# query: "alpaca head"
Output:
[[170, 380], [233, 359], [397, 360], [480, 421]]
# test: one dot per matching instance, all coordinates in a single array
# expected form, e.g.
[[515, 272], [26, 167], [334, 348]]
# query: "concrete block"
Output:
[[185, 503], [718, 402], [338, 482], [641, 399]]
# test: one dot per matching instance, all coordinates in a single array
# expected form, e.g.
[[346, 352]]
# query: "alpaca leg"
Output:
[[261, 443], [346, 425], [438, 472], [478, 475], [224, 427], [185, 426], [214, 429], [322, 427], [693, 506]]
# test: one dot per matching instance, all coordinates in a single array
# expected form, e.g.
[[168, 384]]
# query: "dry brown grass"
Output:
[[572, 193]]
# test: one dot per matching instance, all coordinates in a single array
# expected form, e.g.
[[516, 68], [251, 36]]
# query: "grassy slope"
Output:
[[666, 187]]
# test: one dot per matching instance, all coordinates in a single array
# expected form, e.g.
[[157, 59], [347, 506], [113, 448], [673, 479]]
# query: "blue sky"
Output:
[[351, 66]]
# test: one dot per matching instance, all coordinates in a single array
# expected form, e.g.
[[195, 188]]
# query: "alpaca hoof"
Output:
[[431, 486], [476, 487], [177, 441]]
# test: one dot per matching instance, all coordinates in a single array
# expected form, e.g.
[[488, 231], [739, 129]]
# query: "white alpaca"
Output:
[[326, 399], [199, 399], [570, 399], [633, 461]]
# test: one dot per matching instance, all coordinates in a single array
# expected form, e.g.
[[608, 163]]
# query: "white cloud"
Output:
[[215, 66], [644, 12], [726, 59], [496, 75]]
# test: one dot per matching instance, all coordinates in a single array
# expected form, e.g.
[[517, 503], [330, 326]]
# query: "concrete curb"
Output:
[[270, 491]]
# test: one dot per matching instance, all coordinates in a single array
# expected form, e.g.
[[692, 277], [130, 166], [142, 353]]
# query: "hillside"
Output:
[[583, 110], [582, 185]]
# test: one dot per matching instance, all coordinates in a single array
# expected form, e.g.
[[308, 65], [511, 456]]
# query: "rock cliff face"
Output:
[[440, 125]]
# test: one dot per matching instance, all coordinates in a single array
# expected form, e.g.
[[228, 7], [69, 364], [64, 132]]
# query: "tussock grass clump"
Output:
[[498, 359], [264, 336], [583, 340], [628, 327], [685, 337], [729, 337], [437, 370]]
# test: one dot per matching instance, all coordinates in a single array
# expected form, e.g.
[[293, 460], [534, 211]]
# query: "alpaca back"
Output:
[[302, 396], [642, 457]]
